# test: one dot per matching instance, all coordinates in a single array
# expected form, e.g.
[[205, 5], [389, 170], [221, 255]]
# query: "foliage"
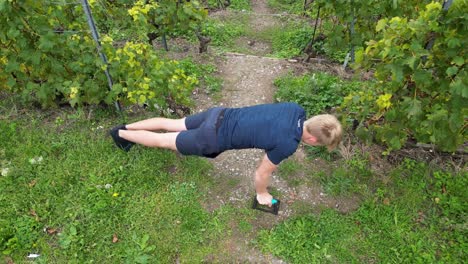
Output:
[[410, 210], [144, 77], [422, 91], [215, 4], [165, 17], [337, 17], [231, 4], [204, 73], [241, 5], [317, 93], [290, 6], [48, 59]]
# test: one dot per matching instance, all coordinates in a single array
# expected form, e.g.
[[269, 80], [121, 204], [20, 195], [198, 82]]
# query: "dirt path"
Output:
[[248, 80], [263, 18]]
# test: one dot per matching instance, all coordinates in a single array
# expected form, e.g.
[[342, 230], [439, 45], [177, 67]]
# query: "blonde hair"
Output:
[[326, 128]]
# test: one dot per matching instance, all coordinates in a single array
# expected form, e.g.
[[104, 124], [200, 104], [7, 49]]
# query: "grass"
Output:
[[224, 31], [240, 5], [404, 221], [290, 6], [310, 239], [71, 196], [350, 177], [289, 170], [233, 4]]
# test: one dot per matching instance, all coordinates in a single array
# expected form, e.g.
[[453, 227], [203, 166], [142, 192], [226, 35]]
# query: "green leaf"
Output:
[[73, 231], [13, 33], [73, 102], [452, 71], [12, 66], [381, 24], [453, 43], [46, 42], [391, 115], [144, 240], [459, 88], [142, 259], [3, 5], [395, 142], [413, 108], [397, 72], [438, 115], [11, 82], [36, 58], [455, 122], [459, 61], [422, 78], [363, 133], [411, 62]]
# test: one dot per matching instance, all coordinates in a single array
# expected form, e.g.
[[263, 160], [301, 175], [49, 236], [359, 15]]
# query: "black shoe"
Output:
[[122, 143]]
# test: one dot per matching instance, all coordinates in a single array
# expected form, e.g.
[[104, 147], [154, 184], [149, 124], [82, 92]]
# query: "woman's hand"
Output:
[[264, 198]]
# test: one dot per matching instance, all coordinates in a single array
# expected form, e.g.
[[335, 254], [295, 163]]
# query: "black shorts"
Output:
[[200, 138]]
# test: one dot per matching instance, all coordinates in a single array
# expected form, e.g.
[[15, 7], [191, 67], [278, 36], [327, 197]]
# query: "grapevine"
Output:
[[49, 57], [421, 93]]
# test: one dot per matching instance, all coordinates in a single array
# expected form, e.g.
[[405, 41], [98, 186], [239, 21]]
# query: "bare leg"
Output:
[[150, 139], [159, 123]]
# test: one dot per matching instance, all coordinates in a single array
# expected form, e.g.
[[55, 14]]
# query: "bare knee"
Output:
[[179, 125], [165, 140]]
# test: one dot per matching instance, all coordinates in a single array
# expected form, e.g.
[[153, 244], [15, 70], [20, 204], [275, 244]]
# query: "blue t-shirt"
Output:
[[276, 128]]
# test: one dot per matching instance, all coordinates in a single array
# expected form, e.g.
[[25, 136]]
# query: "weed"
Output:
[[289, 170], [245, 226], [223, 33], [321, 152], [289, 6], [317, 92], [289, 41], [232, 4], [240, 5], [204, 73], [349, 177], [338, 182]]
